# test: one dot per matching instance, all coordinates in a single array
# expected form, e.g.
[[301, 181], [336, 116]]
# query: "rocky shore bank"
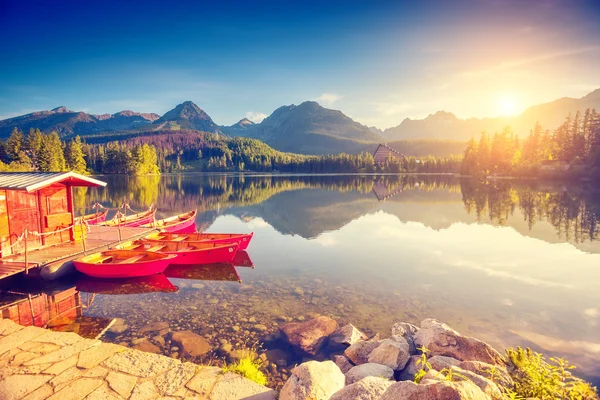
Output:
[[428, 362]]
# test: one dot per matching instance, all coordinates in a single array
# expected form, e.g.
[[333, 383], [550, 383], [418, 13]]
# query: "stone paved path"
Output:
[[38, 364]]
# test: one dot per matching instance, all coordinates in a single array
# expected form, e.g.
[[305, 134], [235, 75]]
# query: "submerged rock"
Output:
[[189, 343], [153, 327], [311, 335], [346, 336], [442, 340], [359, 372], [313, 380], [147, 347], [369, 388]]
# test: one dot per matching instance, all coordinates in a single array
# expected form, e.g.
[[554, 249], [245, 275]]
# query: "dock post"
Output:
[[82, 236], [26, 263]]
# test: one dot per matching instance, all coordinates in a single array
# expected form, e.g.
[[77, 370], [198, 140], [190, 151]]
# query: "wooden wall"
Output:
[[43, 309]]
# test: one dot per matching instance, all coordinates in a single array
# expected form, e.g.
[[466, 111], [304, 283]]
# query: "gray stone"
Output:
[[359, 352], [7, 327], [144, 391], [311, 335], [346, 336], [370, 369], [369, 388], [313, 380], [442, 340], [19, 337], [393, 352], [434, 390]]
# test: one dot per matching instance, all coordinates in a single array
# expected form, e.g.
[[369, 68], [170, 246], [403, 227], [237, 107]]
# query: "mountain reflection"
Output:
[[310, 205]]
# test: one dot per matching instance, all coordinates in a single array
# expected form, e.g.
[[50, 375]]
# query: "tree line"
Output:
[[40, 152], [572, 149]]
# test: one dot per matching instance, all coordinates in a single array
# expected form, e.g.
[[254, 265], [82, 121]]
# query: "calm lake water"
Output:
[[510, 263]]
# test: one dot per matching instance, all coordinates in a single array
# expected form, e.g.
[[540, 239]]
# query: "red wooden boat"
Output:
[[141, 284], [186, 252], [123, 263], [242, 240], [181, 223], [133, 220], [96, 218]]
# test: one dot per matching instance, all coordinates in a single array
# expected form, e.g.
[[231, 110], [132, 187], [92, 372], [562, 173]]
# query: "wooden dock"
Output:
[[97, 239]]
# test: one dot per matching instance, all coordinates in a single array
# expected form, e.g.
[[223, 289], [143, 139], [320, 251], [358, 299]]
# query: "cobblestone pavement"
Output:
[[38, 364]]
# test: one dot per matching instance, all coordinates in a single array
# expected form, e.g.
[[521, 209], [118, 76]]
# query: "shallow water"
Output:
[[510, 263]]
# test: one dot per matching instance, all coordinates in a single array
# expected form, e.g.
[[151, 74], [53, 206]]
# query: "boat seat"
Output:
[[133, 259], [102, 259], [178, 239], [156, 248]]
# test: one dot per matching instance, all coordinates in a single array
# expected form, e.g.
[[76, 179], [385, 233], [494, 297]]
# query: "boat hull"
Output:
[[242, 240], [183, 223], [133, 221], [215, 255], [148, 267], [94, 219]]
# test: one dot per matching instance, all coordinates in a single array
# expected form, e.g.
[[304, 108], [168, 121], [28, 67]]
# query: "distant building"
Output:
[[384, 152]]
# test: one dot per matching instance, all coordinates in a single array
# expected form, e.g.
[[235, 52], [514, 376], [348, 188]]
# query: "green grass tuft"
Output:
[[248, 368]]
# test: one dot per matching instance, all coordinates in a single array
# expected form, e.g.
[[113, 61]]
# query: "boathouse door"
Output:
[[23, 213]]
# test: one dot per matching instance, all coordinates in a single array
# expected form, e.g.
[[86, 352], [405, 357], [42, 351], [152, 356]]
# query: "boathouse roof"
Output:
[[32, 181]]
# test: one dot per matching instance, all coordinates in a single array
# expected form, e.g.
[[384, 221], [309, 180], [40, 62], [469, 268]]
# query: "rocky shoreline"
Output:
[[385, 369]]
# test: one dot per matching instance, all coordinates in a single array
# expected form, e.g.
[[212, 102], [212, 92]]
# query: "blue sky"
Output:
[[377, 61]]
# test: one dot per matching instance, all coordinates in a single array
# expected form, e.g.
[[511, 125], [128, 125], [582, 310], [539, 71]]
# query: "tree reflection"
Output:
[[573, 213]]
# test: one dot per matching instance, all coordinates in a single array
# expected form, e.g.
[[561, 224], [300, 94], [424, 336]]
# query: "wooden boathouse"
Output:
[[38, 227]]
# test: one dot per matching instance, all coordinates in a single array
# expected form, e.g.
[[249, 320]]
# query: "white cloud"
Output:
[[255, 117], [328, 98]]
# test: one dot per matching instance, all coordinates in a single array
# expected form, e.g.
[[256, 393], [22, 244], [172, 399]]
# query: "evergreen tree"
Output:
[[74, 156]]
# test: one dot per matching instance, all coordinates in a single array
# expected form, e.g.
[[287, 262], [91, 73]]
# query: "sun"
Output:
[[508, 105]]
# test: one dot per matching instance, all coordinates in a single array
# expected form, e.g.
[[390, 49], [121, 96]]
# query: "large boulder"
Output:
[[408, 332], [442, 340], [441, 362], [434, 390], [369, 388], [190, 344], [359, 352], [346, 336], [393, 352], [359, 372], [313, 380], [311, 335]]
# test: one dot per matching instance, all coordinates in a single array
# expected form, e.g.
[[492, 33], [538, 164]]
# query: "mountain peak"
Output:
[[188, 115], [61, 109]]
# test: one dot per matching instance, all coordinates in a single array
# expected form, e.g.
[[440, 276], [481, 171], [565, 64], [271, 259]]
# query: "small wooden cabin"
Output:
[[384, 153], [38, 202]]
